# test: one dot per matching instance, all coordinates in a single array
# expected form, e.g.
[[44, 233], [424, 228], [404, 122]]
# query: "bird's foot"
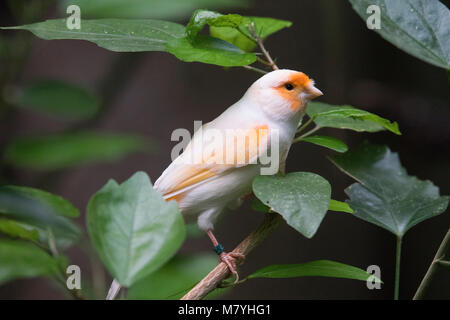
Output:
[[231, 259]]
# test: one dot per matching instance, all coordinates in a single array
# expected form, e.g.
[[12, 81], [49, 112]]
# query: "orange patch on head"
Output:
[[299, 81]]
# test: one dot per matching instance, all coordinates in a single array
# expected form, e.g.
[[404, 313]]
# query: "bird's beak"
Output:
[[312, 92]]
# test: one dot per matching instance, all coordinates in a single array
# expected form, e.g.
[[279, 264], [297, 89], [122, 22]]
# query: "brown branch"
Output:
[[255, 69], [221, 272], [259, 41]]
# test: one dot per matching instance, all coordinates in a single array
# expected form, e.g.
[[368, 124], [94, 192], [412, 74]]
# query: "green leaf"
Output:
[[319, 268], [347, 117], [18, 230], [339, 206], [56, 204], [120, 35], [202, 17], [264, 27], [419, 27], [302, 198], [24, 260], [257, 205], [335, 205], [327, 142], [42, 211], [145, 35], [60, 99], [234, 37], [174, 279], [61, 151], [155, 9], [209, 50], [386, 195], [134, 230]]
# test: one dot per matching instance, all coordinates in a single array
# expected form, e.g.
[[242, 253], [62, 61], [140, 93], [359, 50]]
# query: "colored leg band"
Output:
[[219, 249]]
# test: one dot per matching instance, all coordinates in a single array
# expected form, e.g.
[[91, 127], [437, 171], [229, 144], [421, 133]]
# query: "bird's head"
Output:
[[283, 93]]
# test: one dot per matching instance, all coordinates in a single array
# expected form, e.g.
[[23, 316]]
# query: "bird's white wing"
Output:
[[212, 153]]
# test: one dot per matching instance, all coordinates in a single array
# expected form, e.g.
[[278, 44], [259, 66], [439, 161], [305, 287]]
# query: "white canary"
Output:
[[215, 173]]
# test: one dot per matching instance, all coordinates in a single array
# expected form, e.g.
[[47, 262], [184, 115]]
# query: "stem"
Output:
[[306, 124], [438, 259], [267, 55], [264, 62], [398, 254], [310, 132], [62, 276], [52, 243], [245, 35], [259, 41], [221, 271], [255, 69], [98, 275]]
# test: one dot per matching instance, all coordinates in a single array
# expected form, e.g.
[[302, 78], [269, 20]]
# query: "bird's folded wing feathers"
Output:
[[208, 157]]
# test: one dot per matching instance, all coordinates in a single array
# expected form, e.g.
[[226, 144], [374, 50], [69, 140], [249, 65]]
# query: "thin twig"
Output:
[[398, 255], [306, 124], [264, 62], [62, 276], [255, 69], [306, 134], [310, 132], [259, 41], [52, 242], [246, 35], [221, 271], [440, 254]]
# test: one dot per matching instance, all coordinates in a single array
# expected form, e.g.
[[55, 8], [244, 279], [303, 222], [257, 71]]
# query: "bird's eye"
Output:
[[289, 86]]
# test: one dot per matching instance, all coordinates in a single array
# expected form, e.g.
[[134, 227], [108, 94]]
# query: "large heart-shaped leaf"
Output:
[[319, 268], [134, 230], [24, 260], [386, 195], [59, 151], [301, 198], [175, 278], [59, 98], [42, 211], [347, 117], [419, 27]]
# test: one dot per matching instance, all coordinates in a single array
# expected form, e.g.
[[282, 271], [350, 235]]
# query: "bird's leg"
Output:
[[229, 258]]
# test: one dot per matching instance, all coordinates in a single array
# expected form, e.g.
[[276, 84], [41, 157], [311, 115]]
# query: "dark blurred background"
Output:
[[153, 93]]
